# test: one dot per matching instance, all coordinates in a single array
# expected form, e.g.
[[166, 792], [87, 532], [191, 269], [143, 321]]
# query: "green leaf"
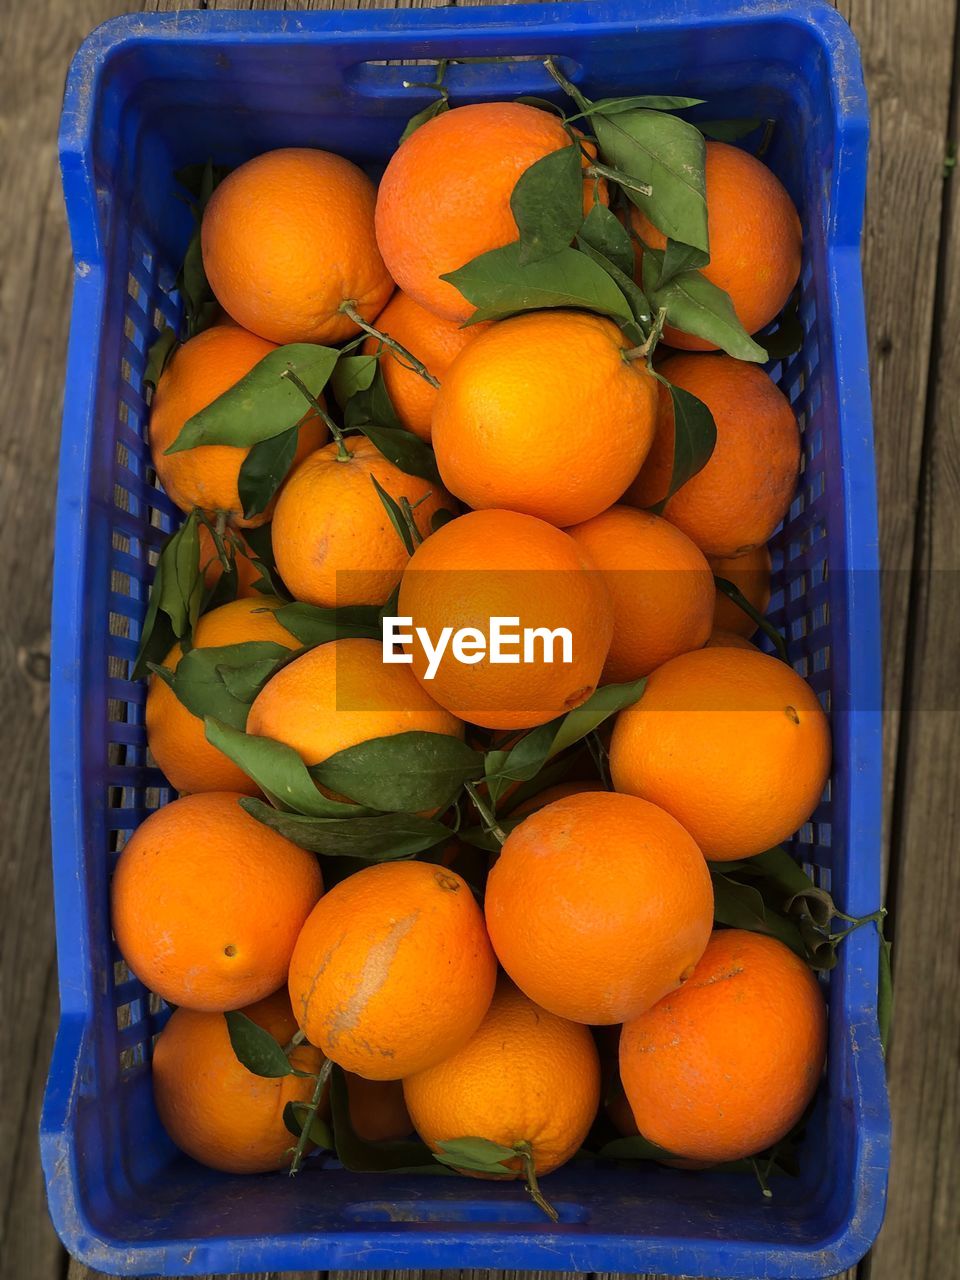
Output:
[[255, 1048], [405, 771], [380, 837], [260, 542], [408, 1155], [885, 993], [644, 102], [175, 596], [435, 108], [741, 906], [223, 681], [499, 285], [405, 450], [479, 1155], [276, 769], [669, 154], [547, 204], [694, 439], [264, 469], [602, 230], [158, 356], [297, 1114], [353, 374], [635, 1147], [679, 257], [481, 838], [263, 403], [441, 517], [524, 760], [785, 336], [371, 404], [397, 518], [313, 625], [695, 305], [728, 130]]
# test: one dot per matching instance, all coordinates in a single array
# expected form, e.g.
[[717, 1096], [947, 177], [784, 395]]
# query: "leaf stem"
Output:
[[597, 170], [486, 813], [646, 348], [525, 1152], [343, 454], [406, 358], [323, 1075], [570, 89], [296, 1039], [733, 592], [407, 508]]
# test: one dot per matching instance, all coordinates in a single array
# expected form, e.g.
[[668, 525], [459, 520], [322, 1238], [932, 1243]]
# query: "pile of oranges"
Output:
[[516, 462]]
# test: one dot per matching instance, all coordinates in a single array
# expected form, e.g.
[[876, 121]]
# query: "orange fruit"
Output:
[[393, 970], [725, 1067], [558, 792], [734, 504], [543, 414], [445, 195], [751, 573], [720, 639], [734, 744], [755, 240], [288, 237], [212, 566], [212, 1107], [340, 694], [434, 341], [490, 564], [378, 1112], [525, 1075], [660, 584], [599, 905], [332, 538], [207, 903], [197, 373], [175, 736]]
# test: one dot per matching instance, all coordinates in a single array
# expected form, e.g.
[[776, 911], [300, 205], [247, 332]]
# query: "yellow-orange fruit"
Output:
[[549, 794], [660, 584], [720, 639], [725, 1067], [524, 1076], [340, 694], [445, 195], [734, 744], [287, 238], [755, 240], [175, 736], [212, 1107], [599, 905], [377, 1110], [393, 970], [737, 500], [207, 903], [198, 372], [333, 541], [751, 573], [543, 414], [432, 340], [500, 564]]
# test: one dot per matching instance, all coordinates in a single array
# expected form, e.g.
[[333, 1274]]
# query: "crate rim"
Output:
[[558, 1250]]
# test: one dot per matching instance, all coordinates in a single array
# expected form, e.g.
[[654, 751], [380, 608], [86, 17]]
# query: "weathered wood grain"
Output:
[[907, 50], [919, 1237]]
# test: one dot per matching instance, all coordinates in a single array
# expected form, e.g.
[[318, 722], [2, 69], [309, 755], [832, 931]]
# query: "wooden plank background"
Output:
[[912, 272]]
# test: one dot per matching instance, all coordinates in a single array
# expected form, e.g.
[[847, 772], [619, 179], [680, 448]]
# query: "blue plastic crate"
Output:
[[148, 93]]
